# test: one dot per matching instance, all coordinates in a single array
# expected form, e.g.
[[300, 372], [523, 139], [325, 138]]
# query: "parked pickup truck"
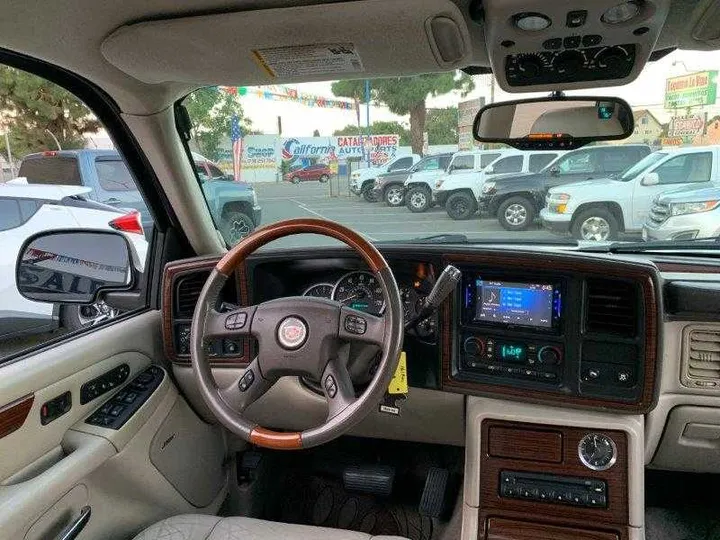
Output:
[[390, 187], [684, 214], [233, 205], [459, 192], [362, 181], [516, 200], [419, 186], [599, 210]]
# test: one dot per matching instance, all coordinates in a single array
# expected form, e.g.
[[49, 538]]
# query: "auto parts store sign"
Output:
[[691, 90]]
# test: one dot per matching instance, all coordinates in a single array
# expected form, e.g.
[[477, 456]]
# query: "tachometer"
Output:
[[360, 290], [319, 290]]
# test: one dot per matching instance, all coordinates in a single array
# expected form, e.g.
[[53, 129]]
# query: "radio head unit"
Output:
[[495, 302]]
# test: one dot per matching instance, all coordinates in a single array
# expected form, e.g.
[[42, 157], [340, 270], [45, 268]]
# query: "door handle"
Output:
[[73, 529], [111, 200]]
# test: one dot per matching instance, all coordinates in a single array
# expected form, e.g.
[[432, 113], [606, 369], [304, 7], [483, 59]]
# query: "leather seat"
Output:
[[200, 527]]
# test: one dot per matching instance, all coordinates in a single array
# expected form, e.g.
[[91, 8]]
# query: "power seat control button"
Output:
[[235, 321], [246, 380], [355, 324], [330, 386]]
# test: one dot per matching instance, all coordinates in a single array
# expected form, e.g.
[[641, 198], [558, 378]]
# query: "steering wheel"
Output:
[[297, 336]]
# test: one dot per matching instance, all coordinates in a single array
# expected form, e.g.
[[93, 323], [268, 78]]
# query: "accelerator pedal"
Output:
[[434, 500]]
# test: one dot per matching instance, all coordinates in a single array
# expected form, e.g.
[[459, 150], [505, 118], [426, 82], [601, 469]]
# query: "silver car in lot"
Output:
[[684, 215]]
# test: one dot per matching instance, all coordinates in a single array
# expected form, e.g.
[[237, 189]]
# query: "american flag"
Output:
[[236, 136]]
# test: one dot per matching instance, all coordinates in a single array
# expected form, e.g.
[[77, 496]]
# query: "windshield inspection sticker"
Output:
[[327, 58]]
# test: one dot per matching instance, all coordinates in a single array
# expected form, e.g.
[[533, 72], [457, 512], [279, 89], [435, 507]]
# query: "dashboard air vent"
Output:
[[702, 358], [188, 292], [611, 307]]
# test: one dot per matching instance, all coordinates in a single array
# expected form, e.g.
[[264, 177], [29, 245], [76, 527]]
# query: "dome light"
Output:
[[621, 13]]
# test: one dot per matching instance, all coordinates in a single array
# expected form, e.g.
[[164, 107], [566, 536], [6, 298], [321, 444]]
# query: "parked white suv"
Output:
[[599, 210], [419, 186], [684, 215], [26, 210], [363, 180], [459, 192]]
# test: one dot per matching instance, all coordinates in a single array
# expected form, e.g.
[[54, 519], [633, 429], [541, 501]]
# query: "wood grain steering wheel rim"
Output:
[[297, 336]]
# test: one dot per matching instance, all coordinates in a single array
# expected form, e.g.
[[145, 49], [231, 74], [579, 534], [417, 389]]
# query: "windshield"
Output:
[[316, 149], [641, 165]]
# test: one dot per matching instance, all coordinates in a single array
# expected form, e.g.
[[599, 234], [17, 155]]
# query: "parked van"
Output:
[[598, 210]]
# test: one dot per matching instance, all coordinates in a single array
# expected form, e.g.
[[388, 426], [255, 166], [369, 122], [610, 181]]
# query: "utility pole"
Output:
[[367, 116], [492, 88]]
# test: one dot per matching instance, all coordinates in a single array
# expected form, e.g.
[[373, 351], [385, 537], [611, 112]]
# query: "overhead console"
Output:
[[569, 330], [563, 45]]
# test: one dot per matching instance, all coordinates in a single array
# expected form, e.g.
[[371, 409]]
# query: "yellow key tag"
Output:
[[399, 382]]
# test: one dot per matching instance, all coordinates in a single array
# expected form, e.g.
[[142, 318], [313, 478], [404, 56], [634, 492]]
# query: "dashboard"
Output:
[[556, 328]]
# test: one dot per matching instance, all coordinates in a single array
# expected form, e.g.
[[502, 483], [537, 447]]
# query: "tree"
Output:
[[36, 110], [378, 128], [211, 112], [442, 126], [316, 133], [407, 95]]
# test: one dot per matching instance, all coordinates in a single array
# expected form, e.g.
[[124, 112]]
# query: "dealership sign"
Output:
[[381, 148], [691, 90], [686, 126]]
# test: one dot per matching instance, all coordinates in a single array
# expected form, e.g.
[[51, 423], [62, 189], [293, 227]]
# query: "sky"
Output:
[[646, 92]]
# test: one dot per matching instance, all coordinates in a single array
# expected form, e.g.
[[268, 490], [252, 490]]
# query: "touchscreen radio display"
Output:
[[507, 302]]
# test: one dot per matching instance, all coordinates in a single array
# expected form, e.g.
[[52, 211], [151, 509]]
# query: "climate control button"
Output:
[[549, 355], [473, 346]]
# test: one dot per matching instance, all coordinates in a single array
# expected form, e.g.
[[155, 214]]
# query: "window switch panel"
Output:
[[55, 408]]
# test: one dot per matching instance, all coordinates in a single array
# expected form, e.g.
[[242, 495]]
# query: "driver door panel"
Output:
[[50, 471]]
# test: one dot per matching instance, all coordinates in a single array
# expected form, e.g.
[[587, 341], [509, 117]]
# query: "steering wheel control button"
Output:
[[571, 42], [575, 19], [330, 386], [355, 324], [591, 40], [236, 321], [552, 44], [292, 332], [246, 381]]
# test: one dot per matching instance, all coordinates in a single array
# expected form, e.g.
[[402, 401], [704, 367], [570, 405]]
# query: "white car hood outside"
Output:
[[18, 187], [586, 184]]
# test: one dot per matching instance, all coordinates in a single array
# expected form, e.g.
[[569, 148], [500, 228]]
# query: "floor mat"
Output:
[[324, 502]]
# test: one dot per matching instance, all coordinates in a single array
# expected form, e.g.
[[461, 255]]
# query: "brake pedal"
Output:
[[433, 502], [371, 479]]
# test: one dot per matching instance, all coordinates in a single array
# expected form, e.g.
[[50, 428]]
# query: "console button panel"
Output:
[[539, 361], [554, 489], [564, 60], [104, 383], [114, 413]]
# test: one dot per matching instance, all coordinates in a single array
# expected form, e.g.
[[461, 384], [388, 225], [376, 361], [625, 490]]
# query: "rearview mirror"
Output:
[[554, 122], [72, 267], [650, 179]]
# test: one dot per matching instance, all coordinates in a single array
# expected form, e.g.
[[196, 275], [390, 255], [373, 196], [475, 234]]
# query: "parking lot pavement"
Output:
[[376, 221]]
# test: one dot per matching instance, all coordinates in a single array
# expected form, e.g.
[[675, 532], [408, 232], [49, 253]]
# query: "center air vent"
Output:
[[611, 307], [701, 362], [188, 292]]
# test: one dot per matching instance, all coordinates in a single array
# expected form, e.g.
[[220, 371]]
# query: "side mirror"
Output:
[[556, 122], [228, 178], [650, 179], [555, 170], [74, 266], [489, 169]]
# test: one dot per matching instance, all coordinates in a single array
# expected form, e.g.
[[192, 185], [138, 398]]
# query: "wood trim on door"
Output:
[[14, 414]]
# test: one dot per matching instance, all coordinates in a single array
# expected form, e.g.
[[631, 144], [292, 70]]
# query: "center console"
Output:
[[552, 330]]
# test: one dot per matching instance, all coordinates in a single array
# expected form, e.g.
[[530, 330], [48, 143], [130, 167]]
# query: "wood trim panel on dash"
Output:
[[643, 275], [534, 445], [173, 270], [14, 414], [507, 529], [687, 267], [614, 519]]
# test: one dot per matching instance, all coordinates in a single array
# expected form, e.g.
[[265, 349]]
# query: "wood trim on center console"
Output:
[[174, 270], [612, 521], [643, 275]]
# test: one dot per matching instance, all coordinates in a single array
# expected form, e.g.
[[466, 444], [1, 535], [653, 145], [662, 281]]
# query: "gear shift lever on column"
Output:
[[445, 284]]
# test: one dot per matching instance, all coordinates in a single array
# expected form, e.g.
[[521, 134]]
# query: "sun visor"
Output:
[[297, 44]]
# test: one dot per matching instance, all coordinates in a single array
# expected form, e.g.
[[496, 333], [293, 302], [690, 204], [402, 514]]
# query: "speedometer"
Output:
[[360, 290]]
